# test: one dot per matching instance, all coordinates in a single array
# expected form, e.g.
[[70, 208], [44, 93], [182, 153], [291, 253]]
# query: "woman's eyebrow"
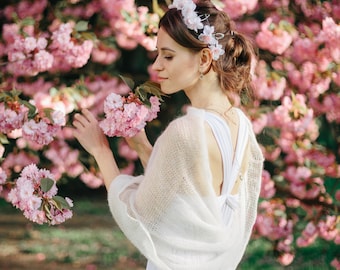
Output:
[[166, 49]]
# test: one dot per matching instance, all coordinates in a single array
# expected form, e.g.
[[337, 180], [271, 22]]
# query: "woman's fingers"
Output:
[[89, 116], [85, 119]]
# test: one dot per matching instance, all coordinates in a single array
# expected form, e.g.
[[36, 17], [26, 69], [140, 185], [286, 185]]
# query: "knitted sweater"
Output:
[[172, 214]]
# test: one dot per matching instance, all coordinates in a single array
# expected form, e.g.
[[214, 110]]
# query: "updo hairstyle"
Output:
[[234, 66]]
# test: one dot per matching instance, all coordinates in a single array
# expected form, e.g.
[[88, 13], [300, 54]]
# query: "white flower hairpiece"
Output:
[[195, 22]]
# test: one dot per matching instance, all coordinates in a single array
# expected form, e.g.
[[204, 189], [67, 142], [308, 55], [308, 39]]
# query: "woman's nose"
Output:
[[156, 64]]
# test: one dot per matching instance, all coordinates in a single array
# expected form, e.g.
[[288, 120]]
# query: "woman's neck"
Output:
[[207, 95]]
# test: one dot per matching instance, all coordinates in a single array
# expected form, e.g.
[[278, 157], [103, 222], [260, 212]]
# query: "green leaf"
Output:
[[129, 82], [82, 26], [152, 88], [46, 184], [3, 139], [31, 108], [89, 36], [27, 21], [61, 203], [48, 113]]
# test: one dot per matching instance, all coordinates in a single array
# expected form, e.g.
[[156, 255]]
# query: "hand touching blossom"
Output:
[[126, 116]]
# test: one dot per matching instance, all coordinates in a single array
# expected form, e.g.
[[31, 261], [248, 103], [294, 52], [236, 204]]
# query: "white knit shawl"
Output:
[[171, 213]]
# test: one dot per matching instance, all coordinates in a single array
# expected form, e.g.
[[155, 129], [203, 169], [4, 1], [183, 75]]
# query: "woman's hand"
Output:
[[88, 133], [92, 138]]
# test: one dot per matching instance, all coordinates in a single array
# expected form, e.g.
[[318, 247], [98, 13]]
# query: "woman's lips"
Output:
[[160, 79]]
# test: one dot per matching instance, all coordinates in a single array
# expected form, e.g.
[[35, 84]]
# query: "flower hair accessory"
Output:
[[195, 22]]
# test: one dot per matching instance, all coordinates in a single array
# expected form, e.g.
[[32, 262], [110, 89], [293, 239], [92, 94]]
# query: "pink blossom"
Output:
[[29, 44], [36, 203], [272, 221], [335, 263], [286, 258], [337, 195], [125, 151], [43, 61], [64, 159], [40, 132], [330, 34], [58, 118], [268, 85], [268, 186], [260, 123], [331, 104], [26, 9], [325, 160], [273, 38], [238, 8], [294, 115], [324, 59], [304, 49], [61, 38], [297, 174], [128, 169], [139, 28], [249, 27], [91, 180], [68, 53], [104, 55], [3, 178], [275, 3], [27, 56], [30, 89], [125, 117], [17, 161], [10, 32], [308, 235], [328, 228], [11, 119], [155, 108], [79, 55], [271, 153]]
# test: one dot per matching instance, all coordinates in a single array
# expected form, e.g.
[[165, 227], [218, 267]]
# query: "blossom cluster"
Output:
[[126, 116], [35, 194], [29, 55], [37, 126]]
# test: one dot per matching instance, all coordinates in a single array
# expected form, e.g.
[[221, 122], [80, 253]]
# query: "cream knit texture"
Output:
[[172, 214]]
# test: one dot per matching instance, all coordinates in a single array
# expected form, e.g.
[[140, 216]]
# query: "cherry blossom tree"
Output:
[[58, 57]]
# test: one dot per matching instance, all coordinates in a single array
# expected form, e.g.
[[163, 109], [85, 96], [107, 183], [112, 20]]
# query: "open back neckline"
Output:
[[220, 128]]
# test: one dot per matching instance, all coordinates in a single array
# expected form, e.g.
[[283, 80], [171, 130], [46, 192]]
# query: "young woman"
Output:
[[195, 205]]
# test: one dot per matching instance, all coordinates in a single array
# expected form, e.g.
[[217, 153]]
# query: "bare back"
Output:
[[215, 157]]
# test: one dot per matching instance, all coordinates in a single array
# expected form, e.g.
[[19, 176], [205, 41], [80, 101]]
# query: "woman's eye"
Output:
[[168, 57]]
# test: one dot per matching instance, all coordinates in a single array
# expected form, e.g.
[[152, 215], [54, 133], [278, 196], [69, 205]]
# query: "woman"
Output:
[[196, 203]]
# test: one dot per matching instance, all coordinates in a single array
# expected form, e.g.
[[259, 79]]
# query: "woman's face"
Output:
[[177, 67]]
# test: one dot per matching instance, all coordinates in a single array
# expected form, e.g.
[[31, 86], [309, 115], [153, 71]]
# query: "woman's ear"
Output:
[[205, 60]]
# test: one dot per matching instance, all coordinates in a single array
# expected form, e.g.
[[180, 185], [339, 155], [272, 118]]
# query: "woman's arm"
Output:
[[142, 146], [94, 141]]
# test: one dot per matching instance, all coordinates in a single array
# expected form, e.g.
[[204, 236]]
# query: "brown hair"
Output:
[[233, 67]]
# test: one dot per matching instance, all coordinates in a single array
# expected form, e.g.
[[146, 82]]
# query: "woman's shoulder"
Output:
[[191, 120], [187, 127]]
